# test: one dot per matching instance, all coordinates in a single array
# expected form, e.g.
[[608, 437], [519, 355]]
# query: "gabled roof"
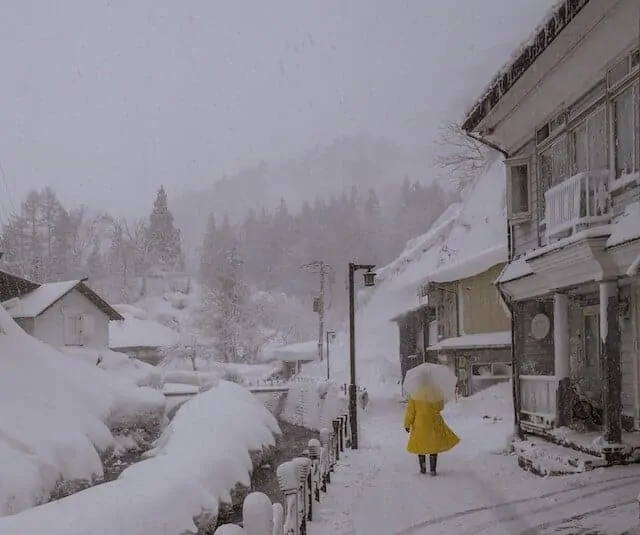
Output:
[[43, 297], [559, 18], [13, 286]]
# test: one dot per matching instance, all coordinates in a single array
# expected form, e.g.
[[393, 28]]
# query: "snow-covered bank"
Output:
[[56, 417], [197, 462]]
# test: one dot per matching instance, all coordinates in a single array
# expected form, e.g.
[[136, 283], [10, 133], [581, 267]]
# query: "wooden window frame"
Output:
[[510, 164]]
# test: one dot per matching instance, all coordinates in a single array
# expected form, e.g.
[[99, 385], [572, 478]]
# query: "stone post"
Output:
[[289, 485]]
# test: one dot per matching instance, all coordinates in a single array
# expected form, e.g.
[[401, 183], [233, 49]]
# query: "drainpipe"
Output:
[[490, 144], [515, 381], [515, 375]]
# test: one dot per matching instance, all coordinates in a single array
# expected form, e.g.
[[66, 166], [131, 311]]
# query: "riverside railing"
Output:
[[302, 480]]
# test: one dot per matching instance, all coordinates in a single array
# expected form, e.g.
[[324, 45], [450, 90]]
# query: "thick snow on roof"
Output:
[[134, 332], [478, 240], [54, 417], [475, 341], [197, 461], [515, 270], [478, 264], [36, 302], [304, 351]]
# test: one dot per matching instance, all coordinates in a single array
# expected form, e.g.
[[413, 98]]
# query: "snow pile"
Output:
[[198, 460], [313, 405], [134, 370], [56, 417], [493, 403]]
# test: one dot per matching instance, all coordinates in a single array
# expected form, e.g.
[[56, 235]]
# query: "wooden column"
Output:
[[610, 356], [561, 357]]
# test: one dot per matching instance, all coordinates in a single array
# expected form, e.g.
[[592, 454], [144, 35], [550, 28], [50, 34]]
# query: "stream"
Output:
[[290, 444]]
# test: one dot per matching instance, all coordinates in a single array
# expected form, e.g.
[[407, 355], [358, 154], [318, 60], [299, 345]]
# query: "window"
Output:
[[625, 131], [589, 142], [554, 164], [73, 330], [518, 191]]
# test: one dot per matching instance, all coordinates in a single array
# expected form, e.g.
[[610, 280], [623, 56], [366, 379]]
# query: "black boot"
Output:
[[433, 460], [423, 464]]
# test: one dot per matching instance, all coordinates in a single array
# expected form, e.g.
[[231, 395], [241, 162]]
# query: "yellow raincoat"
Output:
[[429, 432]]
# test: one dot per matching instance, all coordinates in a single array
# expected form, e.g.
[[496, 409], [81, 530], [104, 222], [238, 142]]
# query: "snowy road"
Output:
[[479, 490]]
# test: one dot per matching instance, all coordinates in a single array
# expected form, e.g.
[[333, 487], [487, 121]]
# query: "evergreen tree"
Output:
[[208, 251], [163, 238]]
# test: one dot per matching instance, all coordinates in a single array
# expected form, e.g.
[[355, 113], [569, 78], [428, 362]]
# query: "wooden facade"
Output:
[[413, 327], [573, 184]]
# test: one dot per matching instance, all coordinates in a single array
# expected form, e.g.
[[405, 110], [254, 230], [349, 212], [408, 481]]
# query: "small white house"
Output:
[[64, 314]]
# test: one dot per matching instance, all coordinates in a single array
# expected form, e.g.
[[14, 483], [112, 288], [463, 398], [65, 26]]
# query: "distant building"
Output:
[[60, 314]]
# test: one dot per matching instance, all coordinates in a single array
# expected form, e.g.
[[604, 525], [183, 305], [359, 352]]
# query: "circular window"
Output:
[[540, 326]]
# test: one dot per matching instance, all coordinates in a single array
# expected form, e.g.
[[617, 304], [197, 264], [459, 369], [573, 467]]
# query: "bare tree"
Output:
[[462, 157]]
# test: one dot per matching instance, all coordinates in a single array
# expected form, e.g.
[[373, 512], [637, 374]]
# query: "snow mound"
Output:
[[198, 459], [134, 370], [55, 418]]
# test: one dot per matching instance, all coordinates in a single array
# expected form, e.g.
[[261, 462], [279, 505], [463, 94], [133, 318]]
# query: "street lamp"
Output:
[[369, 280], [331, 336]]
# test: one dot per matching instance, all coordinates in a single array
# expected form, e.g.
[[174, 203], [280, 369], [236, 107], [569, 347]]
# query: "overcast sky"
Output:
[[104, 100]]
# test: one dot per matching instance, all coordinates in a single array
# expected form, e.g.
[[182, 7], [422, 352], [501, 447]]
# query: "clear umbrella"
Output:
[[431, 383]]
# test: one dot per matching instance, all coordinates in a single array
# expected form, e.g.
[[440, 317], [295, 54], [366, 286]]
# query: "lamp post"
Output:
[[369, 280], [331, 335]]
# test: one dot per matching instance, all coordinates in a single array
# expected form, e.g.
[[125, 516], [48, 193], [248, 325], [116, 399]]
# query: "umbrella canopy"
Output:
[[431, 383]]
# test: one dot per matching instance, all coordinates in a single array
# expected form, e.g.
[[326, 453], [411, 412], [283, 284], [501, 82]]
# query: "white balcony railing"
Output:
[[538, 396], [581, 200]]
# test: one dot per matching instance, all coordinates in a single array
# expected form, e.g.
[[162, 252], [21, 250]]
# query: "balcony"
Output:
[[577, 203]]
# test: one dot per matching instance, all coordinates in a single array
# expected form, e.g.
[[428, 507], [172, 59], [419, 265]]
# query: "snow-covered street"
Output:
[[479, 488]]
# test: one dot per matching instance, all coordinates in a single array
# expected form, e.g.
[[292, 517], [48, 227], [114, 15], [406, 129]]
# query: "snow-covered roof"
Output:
[[498, 339], [557, 19], [301, 352], [44, 296], [477, 239], [515, 270], [471, 266], [135, 332]]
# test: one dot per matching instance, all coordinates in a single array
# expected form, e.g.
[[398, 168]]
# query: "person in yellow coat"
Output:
[[429, 434]]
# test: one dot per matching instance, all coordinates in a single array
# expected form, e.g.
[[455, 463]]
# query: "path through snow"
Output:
[[479, 490]]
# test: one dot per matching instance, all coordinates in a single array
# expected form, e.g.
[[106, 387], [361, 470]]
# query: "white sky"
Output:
[[104, 100]]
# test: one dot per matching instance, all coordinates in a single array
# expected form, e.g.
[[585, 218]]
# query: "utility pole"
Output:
[[322, 268]]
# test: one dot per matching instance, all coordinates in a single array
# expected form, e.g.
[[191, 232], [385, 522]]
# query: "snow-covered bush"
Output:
[[212, 444], [56, 414]]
